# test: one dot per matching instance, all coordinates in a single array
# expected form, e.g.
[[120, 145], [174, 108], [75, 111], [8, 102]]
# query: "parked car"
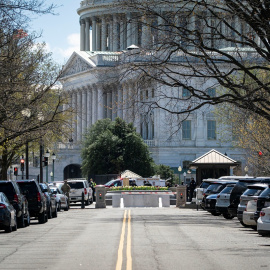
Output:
[[61, 198], [77, 187], [263, 223], [248, 214], [263, 201], [36, 199], [8, 221], [50, 199], [201, 189], [18, 200], [237, 191], [214, 188], [252, 192], [223, 201]]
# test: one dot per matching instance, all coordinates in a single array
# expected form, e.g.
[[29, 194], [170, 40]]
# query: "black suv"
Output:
[[262, 202], [36, 199], [51, 200], [18, 200]]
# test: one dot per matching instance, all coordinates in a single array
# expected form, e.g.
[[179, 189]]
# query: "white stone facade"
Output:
[[92, 78]]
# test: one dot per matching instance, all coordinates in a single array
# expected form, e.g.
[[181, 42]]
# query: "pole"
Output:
[[53, 170], [47, 173], [26, 162], [40, 163]]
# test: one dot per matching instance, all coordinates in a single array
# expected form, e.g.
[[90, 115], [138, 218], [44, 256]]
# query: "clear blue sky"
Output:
[[60, 32]]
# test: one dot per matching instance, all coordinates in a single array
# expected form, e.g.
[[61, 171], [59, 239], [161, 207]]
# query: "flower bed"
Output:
[[151, 188]]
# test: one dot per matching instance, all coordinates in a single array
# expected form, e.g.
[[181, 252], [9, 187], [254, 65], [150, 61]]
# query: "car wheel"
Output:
[[243, 224], [27, 220], [20, 222], [87, 202], [228, 216], [42, 217], [59, 207], [49, 213], [14, 228], [54, 214]]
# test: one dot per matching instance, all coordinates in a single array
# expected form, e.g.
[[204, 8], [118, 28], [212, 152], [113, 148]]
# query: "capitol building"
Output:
[[99, 87]]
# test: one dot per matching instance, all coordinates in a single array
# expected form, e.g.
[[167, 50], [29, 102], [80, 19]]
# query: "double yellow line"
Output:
[[121, 244]]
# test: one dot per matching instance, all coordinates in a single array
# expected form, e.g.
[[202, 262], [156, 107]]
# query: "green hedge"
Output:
[[137, 188]]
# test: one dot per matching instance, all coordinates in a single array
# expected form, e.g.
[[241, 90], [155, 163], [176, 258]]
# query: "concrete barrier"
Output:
[[140, 198]]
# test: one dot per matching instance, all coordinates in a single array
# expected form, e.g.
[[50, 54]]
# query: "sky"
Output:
[[61, 32]]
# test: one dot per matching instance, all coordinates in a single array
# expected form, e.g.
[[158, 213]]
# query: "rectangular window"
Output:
[[211, 92], [186, 130], [211, 130], [186, 93]]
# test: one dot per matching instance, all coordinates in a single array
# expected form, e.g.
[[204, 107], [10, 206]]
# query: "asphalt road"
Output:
[[134, 238]]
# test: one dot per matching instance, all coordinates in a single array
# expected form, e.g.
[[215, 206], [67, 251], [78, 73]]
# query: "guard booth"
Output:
[[213, 164]]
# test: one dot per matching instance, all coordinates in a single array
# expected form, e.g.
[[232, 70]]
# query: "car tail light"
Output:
[[16, 198], [262, 214], [38, 197], [2, 206], [85, 191], [203, 194], [218, 196]]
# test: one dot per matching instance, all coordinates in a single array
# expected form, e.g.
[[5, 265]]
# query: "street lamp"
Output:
[[40, 117], [47, 155], [179, 170], [184, 177], [53, 159], [246, 170]]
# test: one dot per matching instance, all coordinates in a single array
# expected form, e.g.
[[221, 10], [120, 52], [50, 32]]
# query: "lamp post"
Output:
[[40, 117], [179, 170], [47, 155], [184, 177], [53, 159]]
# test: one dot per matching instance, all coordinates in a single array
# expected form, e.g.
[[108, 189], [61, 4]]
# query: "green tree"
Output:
[[165, 172], [110, 147]]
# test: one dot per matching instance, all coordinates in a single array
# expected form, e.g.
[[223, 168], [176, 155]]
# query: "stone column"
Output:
[[87, 34], [82, 45], [111, 34], [89, 108], [135, 32], [129, 28], [74, 116], [191, 28], [146, 33], [79, 115], [98, 37], [104, 105], [115, 37], [120, 102], [114, 104], [109, 105], [84, 110], [94, 34], [122, 34], [94, 105], [103, 34], [100, 103]]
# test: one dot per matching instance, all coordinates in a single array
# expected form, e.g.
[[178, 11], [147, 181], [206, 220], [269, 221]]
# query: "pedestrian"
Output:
[[66, 189], [192, 187], [92, 185]]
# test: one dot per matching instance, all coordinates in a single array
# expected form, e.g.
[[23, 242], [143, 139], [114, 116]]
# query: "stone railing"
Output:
[[105, 59]]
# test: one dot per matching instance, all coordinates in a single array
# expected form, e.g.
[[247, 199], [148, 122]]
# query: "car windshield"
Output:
[[76, 185], [214, 188], [7, 189], [28, 187], [109, 183], [205, 185], [253, 192], [43, 188], [265, 193], [227, 190]]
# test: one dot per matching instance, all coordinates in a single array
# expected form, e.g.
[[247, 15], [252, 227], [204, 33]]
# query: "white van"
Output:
[[77, 187]]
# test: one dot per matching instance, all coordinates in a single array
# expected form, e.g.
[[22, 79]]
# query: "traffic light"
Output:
[[22, 164], [45, 161], [15, 171]]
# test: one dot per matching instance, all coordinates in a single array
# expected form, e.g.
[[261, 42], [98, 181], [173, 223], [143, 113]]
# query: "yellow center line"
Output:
[[121, 244], [129, 257]]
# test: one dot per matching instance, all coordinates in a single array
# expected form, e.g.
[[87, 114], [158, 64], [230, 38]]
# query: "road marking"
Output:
[[121, 244], [129, 257]]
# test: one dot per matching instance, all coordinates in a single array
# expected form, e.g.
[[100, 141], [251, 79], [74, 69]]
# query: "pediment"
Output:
[[76, 64]]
